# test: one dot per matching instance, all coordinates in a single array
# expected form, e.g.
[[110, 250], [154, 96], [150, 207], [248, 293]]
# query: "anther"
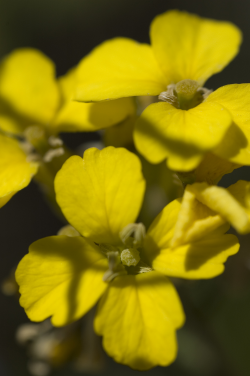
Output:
[[138, 229], [55, 141], [52, 153], [169, 96]]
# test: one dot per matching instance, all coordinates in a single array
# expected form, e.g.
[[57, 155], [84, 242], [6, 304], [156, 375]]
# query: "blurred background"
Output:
[[216, 338]]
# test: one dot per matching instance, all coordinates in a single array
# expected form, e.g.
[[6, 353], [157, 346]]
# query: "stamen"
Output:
[[26, 146], [169, 96], [204, 92], [143, 268], [115, 267], [36, 136], [52, 153], [55, 141], [139, 231], [185, 95], [114, 259], [33, 157]]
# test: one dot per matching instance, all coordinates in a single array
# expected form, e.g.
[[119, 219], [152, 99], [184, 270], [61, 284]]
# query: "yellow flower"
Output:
[[185, 51], [15, 170], [37, 106], [31, 95], [139, 310]]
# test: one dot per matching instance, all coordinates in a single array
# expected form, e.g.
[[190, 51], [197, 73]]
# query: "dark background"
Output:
[[216, 339]]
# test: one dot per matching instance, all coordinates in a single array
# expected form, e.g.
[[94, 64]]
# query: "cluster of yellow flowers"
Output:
[[105, 256]]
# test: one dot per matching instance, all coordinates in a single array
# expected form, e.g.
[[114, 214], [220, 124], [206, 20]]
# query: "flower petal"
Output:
[[161, 231], [207, 249], [137, 317], [120, 135], [241, 192], [179, 223], [102, 193], [15, 171], [28, 86], [162, 131], [88, 117], [189, 47], [194, 220], [119, 68], [212, 168], [233, 204], [5, 199], [201, 259], [10, 121], [61, 277], [235, 145]]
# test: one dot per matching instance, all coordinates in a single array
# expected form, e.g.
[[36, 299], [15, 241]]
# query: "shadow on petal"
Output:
[[233, 141], [155, 146], [61, 277]]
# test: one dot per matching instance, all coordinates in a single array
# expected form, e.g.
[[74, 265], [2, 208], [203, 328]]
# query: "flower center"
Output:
[[185, 95], [125, 258], [130, 257]]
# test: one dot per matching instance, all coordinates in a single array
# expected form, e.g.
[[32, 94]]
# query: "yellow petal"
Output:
[[61, 277], [28, 86], [88, 117], [194, 220], [5, 199], [137, 317], [161, 231], [232, 204], [235, 145], [120, 135], [183, 137], [119, 68], [67, 84], [189, 47], [15, 171], [212, 168], [102, 193], [241, 192], [162, 187], [181, 223], [68, 230], [10, 121], [202, 259]]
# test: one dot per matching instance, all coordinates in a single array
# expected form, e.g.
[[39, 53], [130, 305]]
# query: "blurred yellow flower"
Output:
[[15, 170], [31, 95], [36, 106], [64, 276], [185, 51]]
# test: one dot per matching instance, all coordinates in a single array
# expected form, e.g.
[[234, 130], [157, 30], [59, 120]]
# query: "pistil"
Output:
[[130, 257], [186, 94]]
